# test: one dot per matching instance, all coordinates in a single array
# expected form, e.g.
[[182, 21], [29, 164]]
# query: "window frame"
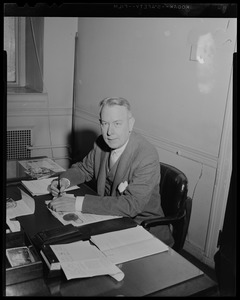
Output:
[[28, 76], [20, 59]]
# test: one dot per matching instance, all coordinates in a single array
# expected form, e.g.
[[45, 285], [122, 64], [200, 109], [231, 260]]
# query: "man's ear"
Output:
[[131, 123]]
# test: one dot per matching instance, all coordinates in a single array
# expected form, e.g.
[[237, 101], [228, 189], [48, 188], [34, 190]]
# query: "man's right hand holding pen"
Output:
[[61, 201], [58, 186]]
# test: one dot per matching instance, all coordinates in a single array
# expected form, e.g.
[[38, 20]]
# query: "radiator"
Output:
[[17, 143]]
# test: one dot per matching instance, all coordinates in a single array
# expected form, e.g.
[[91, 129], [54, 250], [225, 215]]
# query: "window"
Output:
[[23, 41], [9, 46]]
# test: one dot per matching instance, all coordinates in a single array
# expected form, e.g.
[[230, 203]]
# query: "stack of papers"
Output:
[[81, 259], [128, 244], [41, 187]]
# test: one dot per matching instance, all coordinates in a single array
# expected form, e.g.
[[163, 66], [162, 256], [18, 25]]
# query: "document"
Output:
[[14, 225], [128, 244], [41, 187], [81, 259], [23, 207], [77, 218]]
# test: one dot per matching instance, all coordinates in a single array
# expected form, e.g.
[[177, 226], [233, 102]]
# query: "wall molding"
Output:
[[33, 104], [36, 110], [161, 143], [61, 112]]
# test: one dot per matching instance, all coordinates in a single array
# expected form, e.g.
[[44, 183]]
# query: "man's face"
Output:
[[116, 124]]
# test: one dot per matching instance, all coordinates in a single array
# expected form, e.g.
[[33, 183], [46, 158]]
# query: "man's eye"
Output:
[[117, 124]]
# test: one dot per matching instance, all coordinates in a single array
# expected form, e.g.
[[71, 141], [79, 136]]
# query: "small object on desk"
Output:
[[23, 207], [12, 225], [7, 228], [50, 258], [55, 235], [19, 256], [22, 260], [10, 203]]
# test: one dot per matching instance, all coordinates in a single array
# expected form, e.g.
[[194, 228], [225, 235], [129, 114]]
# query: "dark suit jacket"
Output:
[[138, 165]]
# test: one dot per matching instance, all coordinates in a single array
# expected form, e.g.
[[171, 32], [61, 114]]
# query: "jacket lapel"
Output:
[[102, 173], [123, 165]]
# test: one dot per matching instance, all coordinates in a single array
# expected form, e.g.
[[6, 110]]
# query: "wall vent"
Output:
[[17, 143]]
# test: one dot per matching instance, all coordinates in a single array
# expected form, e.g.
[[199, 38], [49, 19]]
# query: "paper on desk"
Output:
[[81, 259], [128, 244], [14, 225], [77, 218], [41, 187], [23, 207]]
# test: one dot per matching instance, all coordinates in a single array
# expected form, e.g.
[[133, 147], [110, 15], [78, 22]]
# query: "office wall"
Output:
[[49, 114], [176, 74]]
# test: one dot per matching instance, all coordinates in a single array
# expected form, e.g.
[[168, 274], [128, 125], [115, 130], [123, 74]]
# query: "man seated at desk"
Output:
[[126, 168]]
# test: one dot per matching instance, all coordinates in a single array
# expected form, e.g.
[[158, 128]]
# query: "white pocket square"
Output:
[[122, 186]]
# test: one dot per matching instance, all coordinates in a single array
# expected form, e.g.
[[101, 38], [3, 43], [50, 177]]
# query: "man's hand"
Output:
[[64, 203], [56, 190]]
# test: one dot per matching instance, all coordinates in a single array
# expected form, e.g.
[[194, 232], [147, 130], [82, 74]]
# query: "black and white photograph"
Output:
[[127, 111]]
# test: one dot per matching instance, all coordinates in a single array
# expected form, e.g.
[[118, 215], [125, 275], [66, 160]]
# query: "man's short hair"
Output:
[[114, 101]]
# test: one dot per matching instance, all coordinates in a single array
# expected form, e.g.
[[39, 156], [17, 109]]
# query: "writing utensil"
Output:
[[59, 186]]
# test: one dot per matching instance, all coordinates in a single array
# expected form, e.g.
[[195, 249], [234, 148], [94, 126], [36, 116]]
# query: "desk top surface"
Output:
[[166, 273]]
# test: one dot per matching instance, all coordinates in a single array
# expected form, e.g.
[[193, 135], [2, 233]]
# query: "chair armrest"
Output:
[[162, 221]]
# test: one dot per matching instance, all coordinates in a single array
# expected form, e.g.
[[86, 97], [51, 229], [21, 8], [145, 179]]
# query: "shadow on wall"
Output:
[[82, 143]]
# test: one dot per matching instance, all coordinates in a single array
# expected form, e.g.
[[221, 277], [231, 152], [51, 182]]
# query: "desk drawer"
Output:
[[22, 272]]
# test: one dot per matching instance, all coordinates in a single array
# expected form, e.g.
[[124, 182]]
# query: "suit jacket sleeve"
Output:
[[81, 171]]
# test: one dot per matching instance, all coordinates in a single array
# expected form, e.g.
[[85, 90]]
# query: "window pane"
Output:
[[9, 46]]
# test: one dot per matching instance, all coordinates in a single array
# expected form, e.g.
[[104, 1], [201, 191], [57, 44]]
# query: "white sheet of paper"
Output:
[[77, 218], [25, 206], [41, 187], [128, 244], [14, 225], [81, 259]]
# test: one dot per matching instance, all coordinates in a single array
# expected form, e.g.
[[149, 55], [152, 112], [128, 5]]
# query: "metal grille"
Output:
[[17, 143]]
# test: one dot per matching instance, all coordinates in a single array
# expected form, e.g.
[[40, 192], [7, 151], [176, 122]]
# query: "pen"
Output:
[[59, 186]]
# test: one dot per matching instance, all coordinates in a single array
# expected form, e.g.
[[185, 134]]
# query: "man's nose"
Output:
[[110, 129]]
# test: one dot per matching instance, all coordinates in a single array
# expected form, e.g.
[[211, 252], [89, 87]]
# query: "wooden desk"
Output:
[[163, 274]]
